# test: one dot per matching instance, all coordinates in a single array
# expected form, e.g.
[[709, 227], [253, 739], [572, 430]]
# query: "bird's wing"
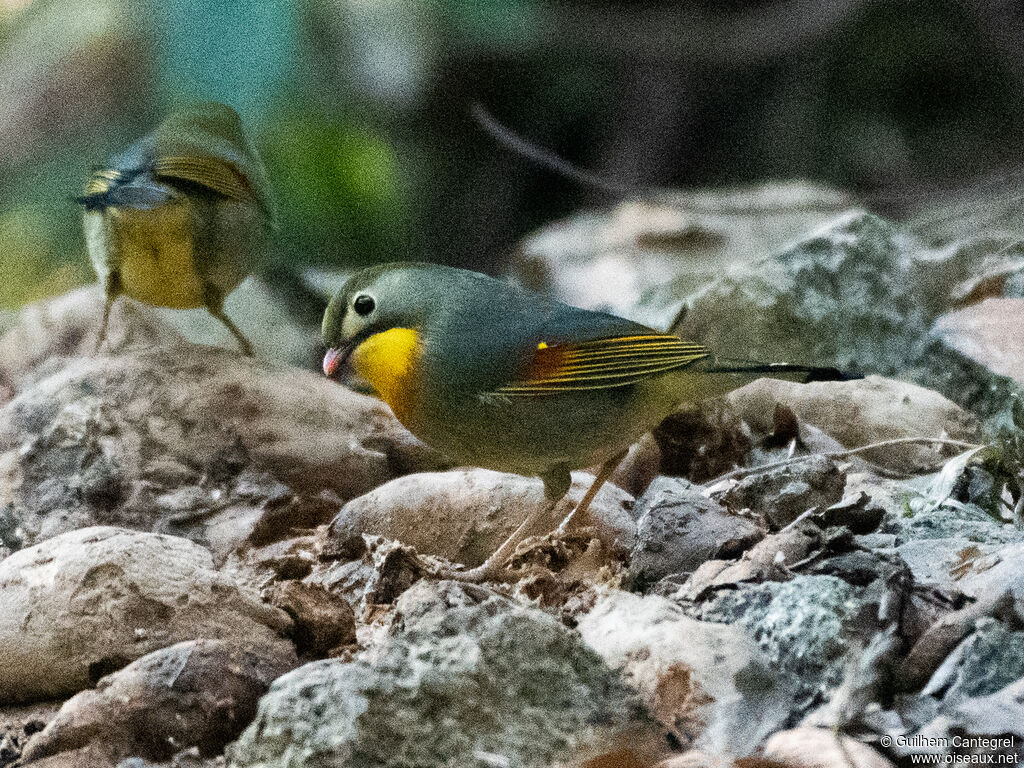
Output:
[[603, 363], [209, 172]]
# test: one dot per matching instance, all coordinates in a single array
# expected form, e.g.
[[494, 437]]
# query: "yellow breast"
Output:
[[387, 361], [156, 252]]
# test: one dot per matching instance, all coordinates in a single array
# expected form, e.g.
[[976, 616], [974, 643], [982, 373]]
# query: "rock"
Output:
[[838, 297], [1000, 713], [804, 626], [982, 729], [83, 604], [323, 621], [938, 640], [821, 748], [951, 521], [860, 567], [994, 573], [987, 660], [705, 683], [678, 528], [188, 440], [19, 723], [453, 686], [47, 334], [197, 693], [765, 561], [694, 758], [273, 327], [858, 512], [847, 296], [644, 257], [989, 334], [374, 576], [861, 412], [464, 515], [780, 495], [187, 758]]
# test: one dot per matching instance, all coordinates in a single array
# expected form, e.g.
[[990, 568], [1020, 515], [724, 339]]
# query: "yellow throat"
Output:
[[386, 360]]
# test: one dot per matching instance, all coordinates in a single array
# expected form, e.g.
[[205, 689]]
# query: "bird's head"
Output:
[[389, 299]]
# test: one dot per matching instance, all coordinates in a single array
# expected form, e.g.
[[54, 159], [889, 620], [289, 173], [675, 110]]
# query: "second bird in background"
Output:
[[182, 216]]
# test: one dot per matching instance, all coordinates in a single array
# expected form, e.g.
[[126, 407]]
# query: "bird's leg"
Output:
[[580, 510], [556, 484], [111, 290], [215, 306]]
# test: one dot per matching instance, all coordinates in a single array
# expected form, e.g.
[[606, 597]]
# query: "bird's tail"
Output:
[[802, 373]]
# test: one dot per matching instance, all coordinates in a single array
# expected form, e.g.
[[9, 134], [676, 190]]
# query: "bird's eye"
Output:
[[363, 305]]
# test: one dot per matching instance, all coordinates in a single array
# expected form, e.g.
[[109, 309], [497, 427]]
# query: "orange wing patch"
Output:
[[602, 364]]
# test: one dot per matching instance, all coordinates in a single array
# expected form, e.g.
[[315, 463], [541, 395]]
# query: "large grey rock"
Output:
[[187, 440], [198, 693], [465, 514], [679, 527], [806, 626], [706, 683], [643, 258], [849, 296], [81, 605], [860, 412], [457, 685], [838, 297]]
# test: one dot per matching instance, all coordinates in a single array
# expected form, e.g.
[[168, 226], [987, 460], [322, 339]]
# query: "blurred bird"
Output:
[[496, 376], [182, 216]]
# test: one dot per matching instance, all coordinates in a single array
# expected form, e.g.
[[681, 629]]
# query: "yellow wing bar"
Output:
[[100, 182], [209, 172], [602, 364]]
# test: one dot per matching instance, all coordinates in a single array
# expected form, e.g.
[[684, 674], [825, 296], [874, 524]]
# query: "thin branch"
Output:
[[744, 471]]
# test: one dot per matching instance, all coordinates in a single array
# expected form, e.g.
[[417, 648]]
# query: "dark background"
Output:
[[361, 109]]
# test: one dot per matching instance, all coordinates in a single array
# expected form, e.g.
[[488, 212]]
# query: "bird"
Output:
[[180, 217], [497, 376]]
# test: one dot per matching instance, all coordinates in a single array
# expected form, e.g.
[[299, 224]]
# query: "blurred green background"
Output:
[[361, 109]]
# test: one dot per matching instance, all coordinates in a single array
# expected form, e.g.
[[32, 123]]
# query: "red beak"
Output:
[[334, 360]]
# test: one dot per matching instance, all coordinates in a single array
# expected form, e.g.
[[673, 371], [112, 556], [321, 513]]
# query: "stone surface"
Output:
[[187, 440], [863, 411], [705, 683], [644, 257], [81, 605], [780, 495], [46, 335], [18, 723], [454, 686], [765, 561], [848, 296], [838, 297], [465, 514], [989, 334], [198, 693], [679, 527], [703, 440], [987, 660], [821, 748], [367, 573], [805, 626], [995, 572]]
